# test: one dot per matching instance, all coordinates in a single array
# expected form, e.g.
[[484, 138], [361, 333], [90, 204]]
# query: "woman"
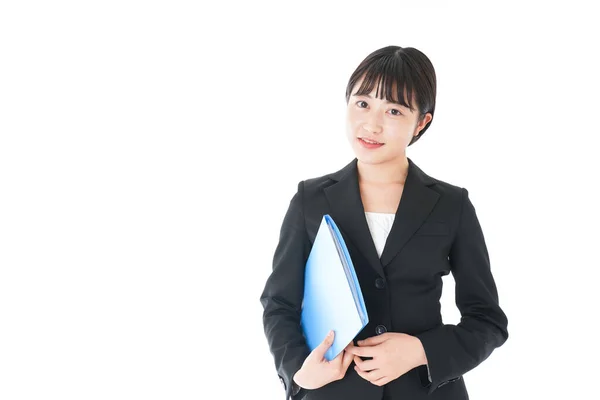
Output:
[[404, 231]]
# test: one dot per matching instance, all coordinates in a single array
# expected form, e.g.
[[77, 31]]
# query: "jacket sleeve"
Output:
[[283, 293], [452, 350]]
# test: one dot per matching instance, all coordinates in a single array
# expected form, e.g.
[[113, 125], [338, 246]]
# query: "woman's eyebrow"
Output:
[[386, 101]]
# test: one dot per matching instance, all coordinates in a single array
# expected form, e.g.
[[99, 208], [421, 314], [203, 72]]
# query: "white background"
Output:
[[149, 150]]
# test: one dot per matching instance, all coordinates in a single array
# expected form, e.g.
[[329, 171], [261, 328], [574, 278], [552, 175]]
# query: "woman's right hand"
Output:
[[316, 371]]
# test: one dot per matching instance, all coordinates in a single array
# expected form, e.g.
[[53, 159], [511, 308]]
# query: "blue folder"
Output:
[[333, 299]]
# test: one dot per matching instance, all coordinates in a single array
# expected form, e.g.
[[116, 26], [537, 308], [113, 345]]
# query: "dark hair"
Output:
[[407, 68]]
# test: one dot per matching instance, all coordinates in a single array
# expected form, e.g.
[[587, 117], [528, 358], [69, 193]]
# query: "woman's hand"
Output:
[[394, 354], [317, 371]]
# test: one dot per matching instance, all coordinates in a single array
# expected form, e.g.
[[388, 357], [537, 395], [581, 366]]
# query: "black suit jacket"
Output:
[[435, 232]]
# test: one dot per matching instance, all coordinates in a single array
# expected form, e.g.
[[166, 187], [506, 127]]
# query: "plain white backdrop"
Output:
[[149, 150]]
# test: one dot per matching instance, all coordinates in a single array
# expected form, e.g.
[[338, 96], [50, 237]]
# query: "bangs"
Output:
[[393, 81]]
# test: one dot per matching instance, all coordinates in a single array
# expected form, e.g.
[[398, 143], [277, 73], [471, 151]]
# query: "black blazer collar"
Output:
[[346, 209]]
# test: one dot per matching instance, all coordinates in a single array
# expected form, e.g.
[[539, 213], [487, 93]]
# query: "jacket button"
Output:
[[380, 329], [379, 283]]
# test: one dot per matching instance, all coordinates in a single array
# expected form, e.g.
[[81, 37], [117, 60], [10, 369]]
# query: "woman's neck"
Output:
[[391, 172]]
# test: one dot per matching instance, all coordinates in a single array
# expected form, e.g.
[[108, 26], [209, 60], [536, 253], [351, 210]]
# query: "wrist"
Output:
[[421, 355]]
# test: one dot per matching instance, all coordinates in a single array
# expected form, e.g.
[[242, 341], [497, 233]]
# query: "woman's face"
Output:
[[390, 124]]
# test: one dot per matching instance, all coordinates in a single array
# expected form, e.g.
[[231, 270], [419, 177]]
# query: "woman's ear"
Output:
[[421, 124]]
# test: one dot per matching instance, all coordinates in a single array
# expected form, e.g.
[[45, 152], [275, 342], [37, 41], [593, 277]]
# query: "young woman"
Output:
[[404, 231]]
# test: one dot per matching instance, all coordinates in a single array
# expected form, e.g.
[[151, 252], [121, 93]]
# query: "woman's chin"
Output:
[[368, 158]]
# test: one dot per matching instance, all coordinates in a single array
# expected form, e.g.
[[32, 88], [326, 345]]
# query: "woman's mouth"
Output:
[[369, 144]]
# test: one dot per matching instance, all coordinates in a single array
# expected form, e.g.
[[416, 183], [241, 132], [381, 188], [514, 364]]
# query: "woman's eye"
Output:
[[360, 102], [396, 112]]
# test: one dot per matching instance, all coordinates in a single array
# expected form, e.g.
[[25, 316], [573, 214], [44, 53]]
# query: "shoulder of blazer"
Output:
[[316, 185], [445, 188]]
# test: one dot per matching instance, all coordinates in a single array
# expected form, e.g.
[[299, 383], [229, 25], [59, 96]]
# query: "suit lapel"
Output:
[[416, 204], [347, 211]]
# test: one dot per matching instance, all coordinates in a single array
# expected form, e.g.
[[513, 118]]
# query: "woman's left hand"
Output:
[[394, 354]]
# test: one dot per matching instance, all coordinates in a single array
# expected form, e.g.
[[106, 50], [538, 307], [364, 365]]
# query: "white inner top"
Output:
[[380, 225]]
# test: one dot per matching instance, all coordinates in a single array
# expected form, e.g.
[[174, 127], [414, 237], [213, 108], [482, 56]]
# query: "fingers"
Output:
[[364, 365], [338, 359], [362, 351], [373, 340], [367, 369], [347, 360], [371, 376], [322, 348], [341, 363], [381, 381]]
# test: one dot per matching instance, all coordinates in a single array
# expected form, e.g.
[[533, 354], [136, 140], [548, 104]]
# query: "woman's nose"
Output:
[[373, 124]]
